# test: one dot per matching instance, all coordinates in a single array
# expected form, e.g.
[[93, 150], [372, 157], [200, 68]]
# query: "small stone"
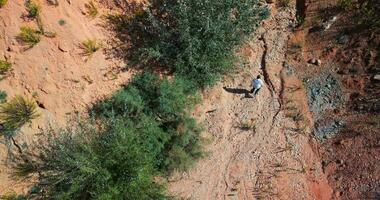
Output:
[[377, 77], [343, 39], [318, 62], [339, 162], [312, 61], [63, 47]]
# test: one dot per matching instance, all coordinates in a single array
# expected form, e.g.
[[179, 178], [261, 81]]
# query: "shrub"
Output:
[[194, 38], [29, 36], [367, 11], [89, 47], [3, 2], [33, 9], [85, 162], [91, 9], [165, 103], [17, 112], [3, 96], [5, 67]]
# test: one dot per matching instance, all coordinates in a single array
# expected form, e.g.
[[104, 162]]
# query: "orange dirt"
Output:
[[54, 72]]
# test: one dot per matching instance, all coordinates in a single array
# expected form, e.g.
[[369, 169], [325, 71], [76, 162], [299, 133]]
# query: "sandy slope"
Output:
[[54, 71], [270, 162]]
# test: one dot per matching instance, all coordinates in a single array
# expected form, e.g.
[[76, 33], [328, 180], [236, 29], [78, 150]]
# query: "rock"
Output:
[[63, 47], [343, 39], [377, 77], [318, 62], [312, 61]]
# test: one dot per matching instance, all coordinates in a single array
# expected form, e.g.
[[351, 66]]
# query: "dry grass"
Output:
[[89, 47], [29, 36], [247, 125], [17, 112], [92, 10], [5, 67], [3, 2]]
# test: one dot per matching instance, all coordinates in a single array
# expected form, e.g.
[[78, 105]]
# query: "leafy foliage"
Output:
[[4, 67], [165, 103], [17, 112], [85, 162], [29, 35], [142, 132], [193, 38], [3, 2]]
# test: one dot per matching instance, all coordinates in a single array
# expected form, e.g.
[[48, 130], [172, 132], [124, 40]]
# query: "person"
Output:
[[257, 83]]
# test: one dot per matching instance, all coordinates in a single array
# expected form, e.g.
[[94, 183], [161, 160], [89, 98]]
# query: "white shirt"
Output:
[[257, 83]]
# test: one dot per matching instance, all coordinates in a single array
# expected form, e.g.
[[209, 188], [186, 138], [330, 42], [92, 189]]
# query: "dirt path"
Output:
[[269, 161]]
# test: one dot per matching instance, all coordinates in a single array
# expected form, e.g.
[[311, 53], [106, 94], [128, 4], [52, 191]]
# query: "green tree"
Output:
[[193, 38]]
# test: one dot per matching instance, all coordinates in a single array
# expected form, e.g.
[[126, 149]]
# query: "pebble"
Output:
[[377, 77]]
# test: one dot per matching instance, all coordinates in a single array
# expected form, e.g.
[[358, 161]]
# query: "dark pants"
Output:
[[255, 91]]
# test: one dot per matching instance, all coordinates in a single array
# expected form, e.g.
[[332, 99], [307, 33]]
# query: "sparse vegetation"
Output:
[[92, 10], [61, 22], [247, 125], [145, 130], [16, 112], [29, 36], [3, 2], [89, 47], [33, 8], [3, 96], [12, 195], [5, 67]]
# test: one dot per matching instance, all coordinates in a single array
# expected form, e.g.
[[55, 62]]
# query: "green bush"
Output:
[[3, 2], [85, 162], [33, 9], [29, 35], [165, 103], [194, 38], [5, 67], [17, 112]]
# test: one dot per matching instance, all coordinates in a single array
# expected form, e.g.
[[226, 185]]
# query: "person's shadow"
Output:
[[238, 91]]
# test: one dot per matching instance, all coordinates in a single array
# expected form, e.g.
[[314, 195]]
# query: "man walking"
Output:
[[257, 83]]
